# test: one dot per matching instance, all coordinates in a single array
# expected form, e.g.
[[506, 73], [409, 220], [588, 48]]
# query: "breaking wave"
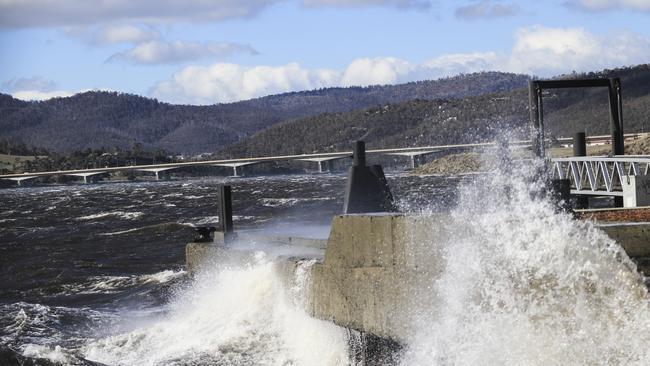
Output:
[[118, 214], [525, 284], [232, 315]]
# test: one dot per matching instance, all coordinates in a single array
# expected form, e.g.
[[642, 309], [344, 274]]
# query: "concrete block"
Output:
[[373, 266], [340, 250], [636, 191], [634, 238]]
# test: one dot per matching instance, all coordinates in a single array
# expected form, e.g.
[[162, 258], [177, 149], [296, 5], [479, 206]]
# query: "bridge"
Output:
[[319, 158], [237, 164]]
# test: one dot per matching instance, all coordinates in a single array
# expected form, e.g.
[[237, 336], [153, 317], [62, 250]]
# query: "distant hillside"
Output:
[[450, 121], [104, 119]]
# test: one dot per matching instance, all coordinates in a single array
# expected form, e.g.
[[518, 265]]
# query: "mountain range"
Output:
[[461, 109], [109, 119], [458, 120]]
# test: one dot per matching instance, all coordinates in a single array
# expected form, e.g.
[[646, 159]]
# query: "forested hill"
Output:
[[109, 119], [451, 121]]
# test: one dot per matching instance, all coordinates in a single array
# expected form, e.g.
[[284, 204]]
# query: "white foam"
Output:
[[192, 197], [121, 232], [119, 214], [162, 276], [231, 315], [522, 284], [114, 284], [277, 202], [55, 354]]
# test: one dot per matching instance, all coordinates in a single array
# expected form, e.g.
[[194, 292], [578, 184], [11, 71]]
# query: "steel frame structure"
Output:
[[536, 87]]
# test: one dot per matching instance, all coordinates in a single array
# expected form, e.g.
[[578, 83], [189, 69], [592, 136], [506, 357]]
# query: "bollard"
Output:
[[367, 189], [359, 153], [226, 230], [580, 144], [580, 149]]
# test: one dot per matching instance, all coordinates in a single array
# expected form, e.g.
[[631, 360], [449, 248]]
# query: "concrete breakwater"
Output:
[[375, 267]]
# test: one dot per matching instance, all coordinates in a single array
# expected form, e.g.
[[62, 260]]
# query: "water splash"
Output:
[[233, 315], [524, 284]]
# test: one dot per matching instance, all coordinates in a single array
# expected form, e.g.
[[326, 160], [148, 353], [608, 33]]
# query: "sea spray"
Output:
[[525, 284], [231, 315]]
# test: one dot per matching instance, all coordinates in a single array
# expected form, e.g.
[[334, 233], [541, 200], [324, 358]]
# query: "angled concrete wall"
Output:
[[373, 267]]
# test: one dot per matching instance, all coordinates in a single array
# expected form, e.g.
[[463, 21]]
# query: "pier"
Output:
[[373, 266], [369, 275]]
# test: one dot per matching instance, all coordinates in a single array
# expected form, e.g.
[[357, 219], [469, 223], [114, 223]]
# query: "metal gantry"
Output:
[[600, 175]]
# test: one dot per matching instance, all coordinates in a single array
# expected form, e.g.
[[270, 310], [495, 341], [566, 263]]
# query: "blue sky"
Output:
[[205, 52]]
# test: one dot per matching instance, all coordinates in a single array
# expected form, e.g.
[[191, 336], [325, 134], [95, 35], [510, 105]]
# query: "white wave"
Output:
[[114, 284], [118, 214], [55, 354], [163, 276], [121, 232], [243, 217], [43, 323], [522, 284], [276, 202], [7, 220], [230, 316], [201, 221]]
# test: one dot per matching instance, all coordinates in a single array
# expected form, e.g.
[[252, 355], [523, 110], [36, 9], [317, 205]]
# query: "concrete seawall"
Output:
[[375, 264]]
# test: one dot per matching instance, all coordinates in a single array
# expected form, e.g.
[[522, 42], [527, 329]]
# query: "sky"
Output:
[[219, 51]]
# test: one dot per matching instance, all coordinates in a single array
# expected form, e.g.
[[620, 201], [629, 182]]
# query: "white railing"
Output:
[[600, 175]]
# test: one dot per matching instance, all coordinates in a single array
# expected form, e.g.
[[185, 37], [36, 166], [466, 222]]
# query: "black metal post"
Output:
[[533, 102], [616, 116], [580, 144], [225, 209], [359, 153], [616, 123], [580, 149]]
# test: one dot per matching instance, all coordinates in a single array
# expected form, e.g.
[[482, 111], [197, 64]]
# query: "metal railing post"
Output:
[[225, 209]]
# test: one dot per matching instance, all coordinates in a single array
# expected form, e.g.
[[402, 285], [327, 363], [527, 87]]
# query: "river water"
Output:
[[90, 273], [94, 275]]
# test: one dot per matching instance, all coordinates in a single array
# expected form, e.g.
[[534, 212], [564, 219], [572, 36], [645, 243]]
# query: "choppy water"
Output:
[[94, 273]]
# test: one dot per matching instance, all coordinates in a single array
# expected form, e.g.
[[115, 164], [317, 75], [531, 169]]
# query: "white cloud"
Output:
[[544, 51], [49, 13], [418, 4], [124, 33], [538, 50], [486, 9], [162, 52], [38, 88], [386, 70], [456, 63], [604, 5], [44, 13], [30, 95], [33, 83], [112, 34], [224, 82]]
